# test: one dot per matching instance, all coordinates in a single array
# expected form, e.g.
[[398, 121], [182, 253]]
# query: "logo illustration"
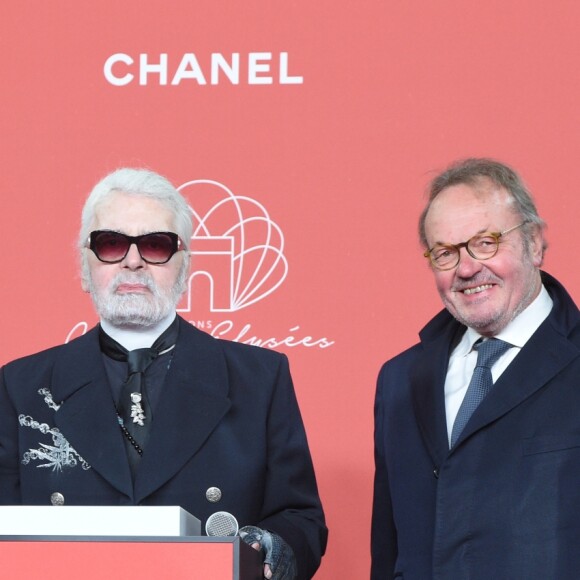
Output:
[[237, 259], [237, 251]]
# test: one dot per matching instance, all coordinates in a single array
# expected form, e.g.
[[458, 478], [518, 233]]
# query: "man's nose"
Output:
[[133, 259], [468, 265]]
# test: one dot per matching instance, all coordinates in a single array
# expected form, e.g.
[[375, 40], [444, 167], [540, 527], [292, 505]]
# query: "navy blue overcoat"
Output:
[[504, 503]]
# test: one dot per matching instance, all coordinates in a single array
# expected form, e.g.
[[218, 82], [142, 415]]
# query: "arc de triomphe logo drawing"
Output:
[[236, 248]]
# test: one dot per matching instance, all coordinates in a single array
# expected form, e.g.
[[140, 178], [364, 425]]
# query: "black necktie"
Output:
[[481, 381], [133, 406]]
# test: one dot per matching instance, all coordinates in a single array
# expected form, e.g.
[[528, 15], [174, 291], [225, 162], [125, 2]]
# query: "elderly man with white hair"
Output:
[[145, 409]]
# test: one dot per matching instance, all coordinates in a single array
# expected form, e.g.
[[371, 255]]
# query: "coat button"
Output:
[[213, 494], [57, 498], [436, 473]]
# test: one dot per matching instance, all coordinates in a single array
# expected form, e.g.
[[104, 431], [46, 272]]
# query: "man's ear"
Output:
[[537, 246], [84, 272]]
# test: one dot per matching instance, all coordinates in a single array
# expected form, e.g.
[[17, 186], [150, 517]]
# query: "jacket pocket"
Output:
[[550, 443]]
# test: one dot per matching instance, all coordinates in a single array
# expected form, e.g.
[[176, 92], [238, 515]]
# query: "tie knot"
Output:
[[139, 359], [488, 351]]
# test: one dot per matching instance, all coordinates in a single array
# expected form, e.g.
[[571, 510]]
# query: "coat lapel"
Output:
[[521, 379], [193, 401], [428, 381], [87, 416], [524, 376]]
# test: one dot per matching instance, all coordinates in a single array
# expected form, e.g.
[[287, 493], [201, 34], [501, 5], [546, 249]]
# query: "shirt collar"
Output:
[[519, 330], [132, 339]]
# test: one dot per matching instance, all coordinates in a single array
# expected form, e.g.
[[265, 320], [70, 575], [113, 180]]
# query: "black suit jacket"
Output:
[[504, 503], [227, 418]]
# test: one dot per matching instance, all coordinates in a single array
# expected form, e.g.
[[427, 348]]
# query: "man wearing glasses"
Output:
[[477, 427], [147, 410]]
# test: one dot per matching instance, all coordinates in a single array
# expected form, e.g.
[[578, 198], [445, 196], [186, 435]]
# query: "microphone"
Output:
[[221, 524]]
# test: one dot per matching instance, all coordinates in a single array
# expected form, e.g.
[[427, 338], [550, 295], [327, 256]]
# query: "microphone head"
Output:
[[221, 524]]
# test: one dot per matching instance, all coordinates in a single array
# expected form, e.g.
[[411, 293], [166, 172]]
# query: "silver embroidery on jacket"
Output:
[[48, 399], [58, 455]]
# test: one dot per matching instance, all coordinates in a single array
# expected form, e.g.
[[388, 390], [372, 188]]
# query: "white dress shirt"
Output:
[[463, 358]]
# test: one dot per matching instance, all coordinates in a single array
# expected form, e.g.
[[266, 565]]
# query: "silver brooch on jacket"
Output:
[[137, 413]]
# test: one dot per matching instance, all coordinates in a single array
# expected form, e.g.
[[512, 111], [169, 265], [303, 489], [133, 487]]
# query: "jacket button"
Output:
[[57, 498], [213, 494], [436, 473]]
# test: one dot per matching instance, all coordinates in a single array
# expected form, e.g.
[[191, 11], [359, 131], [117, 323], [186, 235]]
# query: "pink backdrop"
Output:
[[330, 127]]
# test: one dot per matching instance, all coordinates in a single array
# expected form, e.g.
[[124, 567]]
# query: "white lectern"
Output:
[[117, 542]]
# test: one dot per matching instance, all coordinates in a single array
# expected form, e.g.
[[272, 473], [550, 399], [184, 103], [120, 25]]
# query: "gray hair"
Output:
[[140, 182], [472, 172]]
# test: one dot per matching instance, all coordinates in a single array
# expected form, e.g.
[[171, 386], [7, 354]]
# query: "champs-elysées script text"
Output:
[[227, 330]]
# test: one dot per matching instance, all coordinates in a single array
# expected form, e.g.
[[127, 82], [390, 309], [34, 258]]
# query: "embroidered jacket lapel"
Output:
[[193, 401], [87, 416]]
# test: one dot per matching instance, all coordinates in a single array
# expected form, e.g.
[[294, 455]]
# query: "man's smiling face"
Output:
[[484, 295]]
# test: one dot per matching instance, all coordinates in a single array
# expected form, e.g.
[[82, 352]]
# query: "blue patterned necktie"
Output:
[[488, 352]]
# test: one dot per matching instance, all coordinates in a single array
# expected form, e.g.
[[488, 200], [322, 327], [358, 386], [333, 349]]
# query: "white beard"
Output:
[[137, 310]]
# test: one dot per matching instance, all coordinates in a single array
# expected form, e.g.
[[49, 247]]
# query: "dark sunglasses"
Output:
[[154, 248]]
